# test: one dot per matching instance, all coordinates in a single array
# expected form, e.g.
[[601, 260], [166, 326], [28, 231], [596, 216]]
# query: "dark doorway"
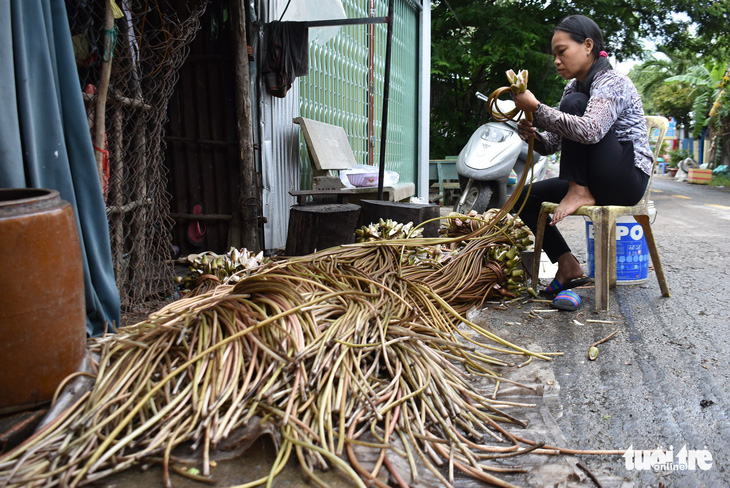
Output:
[[202, 148]]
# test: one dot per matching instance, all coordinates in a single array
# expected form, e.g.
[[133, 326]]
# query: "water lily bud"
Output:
[[511, 76]]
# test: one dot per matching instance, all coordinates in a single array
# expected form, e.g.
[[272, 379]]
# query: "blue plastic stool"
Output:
[[662, 165]]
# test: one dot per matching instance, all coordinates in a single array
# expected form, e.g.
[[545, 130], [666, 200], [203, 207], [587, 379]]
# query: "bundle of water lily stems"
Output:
[[354, 347], [341, 348]]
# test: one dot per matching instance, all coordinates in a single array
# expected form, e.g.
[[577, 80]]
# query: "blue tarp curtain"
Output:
[[45, 140]]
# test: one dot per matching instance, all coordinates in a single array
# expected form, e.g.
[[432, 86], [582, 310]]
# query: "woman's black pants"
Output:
[[606, 168]]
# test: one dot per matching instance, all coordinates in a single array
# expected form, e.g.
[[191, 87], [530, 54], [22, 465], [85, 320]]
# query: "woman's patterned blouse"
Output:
[[614, 102]]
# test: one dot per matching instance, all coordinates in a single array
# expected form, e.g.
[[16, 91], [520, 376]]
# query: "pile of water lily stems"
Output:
[[337, 349], [347, 349]]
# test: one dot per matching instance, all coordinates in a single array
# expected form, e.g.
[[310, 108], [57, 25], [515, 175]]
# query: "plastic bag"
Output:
[[304, 10], [391, 177]]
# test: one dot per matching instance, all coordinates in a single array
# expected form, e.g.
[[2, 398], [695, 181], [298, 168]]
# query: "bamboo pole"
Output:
[[116, 188], [250, 195], [102, 91]]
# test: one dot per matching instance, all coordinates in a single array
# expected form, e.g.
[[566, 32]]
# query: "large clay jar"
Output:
[[42, 308]]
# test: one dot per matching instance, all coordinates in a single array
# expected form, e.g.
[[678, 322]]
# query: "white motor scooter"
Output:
[[486, 162]]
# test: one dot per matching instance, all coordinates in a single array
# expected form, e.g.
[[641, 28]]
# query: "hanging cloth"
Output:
[[44, 137], [287, 55]]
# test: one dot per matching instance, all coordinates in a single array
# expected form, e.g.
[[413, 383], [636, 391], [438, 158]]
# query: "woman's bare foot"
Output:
[[568, 268], [577, 196]]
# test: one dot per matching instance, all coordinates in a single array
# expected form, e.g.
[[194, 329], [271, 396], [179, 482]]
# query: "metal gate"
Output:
[[345, 86]]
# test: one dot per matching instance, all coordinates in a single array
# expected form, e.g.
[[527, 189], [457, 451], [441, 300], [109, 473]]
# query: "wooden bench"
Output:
[[330, 151], [317, 222]]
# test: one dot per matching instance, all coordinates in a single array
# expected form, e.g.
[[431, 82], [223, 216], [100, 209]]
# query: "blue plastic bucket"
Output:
[[632, 252]]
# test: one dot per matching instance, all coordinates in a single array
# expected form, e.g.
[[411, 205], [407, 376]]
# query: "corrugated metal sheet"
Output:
[[279, 142]]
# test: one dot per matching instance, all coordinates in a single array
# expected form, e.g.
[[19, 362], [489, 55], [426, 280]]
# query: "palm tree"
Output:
[[652, 73], [705, 83], [692, 81], [720, 122], [658, 97]]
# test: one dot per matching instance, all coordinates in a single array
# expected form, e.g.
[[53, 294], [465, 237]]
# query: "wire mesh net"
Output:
[[132, 50]]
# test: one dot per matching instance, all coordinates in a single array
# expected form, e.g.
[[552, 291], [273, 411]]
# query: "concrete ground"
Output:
[[663, 380]]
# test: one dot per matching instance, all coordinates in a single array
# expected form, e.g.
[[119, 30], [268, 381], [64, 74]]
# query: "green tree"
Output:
[[694, 92], [673, 100], [720, 122], [704, 81], [653, 72], [703, 31], [468, 57], [475, 41]]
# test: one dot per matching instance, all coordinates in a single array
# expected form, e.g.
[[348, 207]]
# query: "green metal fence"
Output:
[[345, 87]]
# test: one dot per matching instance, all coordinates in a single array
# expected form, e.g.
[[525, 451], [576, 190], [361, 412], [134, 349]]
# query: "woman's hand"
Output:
[[525, 129], [525, 101]]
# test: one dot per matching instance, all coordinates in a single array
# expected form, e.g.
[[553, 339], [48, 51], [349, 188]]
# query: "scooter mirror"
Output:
[[505, 105], [482, 97]]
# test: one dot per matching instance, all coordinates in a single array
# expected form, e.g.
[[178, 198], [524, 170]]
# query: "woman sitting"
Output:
[[600, 129]]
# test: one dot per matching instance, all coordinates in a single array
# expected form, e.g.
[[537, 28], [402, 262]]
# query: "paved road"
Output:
[[664, 381]]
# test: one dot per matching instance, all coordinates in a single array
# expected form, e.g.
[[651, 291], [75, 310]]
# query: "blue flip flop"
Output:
[[556, 287], [567, 300]]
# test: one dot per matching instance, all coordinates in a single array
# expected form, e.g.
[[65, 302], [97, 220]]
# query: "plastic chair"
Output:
[[604, 225]]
